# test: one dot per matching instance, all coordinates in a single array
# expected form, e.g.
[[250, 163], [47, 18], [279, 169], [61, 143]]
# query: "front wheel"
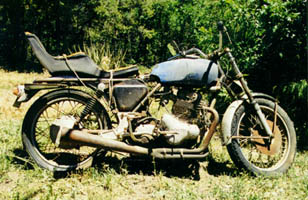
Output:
[[251, 148], [47, 109]]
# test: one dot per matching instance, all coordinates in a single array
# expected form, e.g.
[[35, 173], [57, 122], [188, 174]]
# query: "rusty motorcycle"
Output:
[[87, 110]]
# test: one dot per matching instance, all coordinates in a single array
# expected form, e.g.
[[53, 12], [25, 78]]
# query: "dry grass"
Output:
[[114, 178], [8, 81]]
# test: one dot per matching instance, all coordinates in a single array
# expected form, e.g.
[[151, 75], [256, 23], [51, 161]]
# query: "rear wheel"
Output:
[[40, 116], [252, 149]]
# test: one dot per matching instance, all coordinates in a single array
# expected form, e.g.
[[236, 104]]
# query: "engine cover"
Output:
[[128, 94], [183, 131]]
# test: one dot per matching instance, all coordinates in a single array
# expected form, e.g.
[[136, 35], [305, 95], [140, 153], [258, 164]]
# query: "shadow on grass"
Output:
[[139, 165], [145, 166], [221, 168], [22, 158], [170, 168]]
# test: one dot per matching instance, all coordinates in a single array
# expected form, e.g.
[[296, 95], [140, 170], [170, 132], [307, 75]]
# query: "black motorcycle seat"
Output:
[[82, 64]]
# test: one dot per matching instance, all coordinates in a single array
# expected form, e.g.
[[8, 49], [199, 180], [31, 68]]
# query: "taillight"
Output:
[[19, 90]]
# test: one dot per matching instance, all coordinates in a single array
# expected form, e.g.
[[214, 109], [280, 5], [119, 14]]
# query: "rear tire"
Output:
[[43, 112], [259, 155]]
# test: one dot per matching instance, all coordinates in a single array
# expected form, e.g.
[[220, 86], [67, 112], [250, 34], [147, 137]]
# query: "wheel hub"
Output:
[[268, 146]]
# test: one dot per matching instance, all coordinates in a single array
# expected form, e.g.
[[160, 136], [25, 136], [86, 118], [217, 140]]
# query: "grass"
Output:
[[214, 178]]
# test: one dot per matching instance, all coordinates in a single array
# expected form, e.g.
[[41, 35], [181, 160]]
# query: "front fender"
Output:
[[229, 113], [226, 122]]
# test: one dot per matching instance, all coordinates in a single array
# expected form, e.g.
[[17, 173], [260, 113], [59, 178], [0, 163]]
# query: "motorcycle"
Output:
[[166, 114]]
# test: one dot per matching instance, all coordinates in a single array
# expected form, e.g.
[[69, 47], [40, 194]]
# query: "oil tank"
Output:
[[128, 94]]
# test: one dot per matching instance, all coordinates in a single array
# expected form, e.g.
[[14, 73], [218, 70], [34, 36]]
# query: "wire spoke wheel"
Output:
[[252, 149], [36, 130], [261, 150], [60, 108]]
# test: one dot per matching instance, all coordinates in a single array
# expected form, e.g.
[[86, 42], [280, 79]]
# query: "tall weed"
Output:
[[103, 55]]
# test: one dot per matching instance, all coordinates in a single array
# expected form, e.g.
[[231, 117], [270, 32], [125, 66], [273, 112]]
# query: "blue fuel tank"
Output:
[[186, 72]]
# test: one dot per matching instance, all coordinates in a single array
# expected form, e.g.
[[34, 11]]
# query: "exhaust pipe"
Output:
[[63, 136], [87, 139], [66, 137], [74, 138]]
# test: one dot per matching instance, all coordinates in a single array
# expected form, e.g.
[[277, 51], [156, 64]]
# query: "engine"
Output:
[[176, 126], [179, 125], [179, 131], [186, 105], [183, 121]]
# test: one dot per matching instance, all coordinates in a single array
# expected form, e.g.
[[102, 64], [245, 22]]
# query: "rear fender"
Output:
[[229, 113], [49, 95], [29, 90]]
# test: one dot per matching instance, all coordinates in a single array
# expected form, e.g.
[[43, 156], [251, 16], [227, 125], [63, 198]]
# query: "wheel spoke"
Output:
[[252, 148], [68, 154], [75, 109]]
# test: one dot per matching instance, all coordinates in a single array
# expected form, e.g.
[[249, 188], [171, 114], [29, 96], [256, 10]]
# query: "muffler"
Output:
[[64, 136], [74, 138], [61, 136]]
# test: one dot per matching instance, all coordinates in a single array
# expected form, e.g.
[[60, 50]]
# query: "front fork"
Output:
[[252, 101]]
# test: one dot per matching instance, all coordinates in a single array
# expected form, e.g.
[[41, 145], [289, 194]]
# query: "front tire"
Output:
[[43, 112], [251, 150]]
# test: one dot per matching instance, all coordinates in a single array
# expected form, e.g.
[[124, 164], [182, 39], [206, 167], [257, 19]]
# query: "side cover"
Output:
[[128, 94], [194, 72]]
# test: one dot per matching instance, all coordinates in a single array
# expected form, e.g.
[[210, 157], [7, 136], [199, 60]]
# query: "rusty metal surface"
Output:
[[264, 146], [84, 138], [190, 153]]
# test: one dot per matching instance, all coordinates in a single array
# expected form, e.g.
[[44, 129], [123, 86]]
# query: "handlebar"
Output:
[[213, 56], [195, 50], [189, 51]]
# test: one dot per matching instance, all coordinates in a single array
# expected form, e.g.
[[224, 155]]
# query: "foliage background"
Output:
[[269, 36]]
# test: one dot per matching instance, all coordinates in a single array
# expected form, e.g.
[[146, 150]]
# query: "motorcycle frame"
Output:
[[84, 138]]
